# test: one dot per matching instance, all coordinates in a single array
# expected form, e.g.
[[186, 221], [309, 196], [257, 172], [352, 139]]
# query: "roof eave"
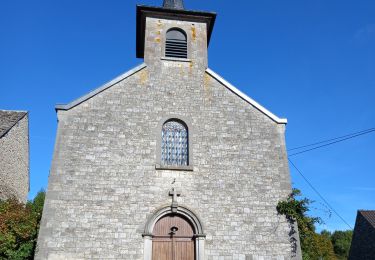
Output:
[[245, 97], [95, 92]]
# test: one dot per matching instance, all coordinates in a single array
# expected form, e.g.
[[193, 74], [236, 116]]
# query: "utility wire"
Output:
[[317, 192], [320, 145], [334, 142], [332, 139]]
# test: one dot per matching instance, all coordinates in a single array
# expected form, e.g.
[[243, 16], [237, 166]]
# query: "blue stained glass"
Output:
[[174, 147]]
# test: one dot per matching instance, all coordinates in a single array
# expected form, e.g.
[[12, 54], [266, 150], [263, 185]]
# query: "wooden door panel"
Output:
[[164, 225], [176, 245], [162, 250], [184, 250]]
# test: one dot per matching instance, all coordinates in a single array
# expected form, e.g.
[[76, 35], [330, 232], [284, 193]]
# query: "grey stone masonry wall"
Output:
[[14, 161], [104, 184]]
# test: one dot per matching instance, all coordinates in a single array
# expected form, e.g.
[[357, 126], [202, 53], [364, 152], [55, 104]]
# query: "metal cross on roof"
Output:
[[174, 4]]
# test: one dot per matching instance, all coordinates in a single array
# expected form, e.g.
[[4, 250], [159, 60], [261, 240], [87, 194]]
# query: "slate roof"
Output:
[[369, 215], [8, 119]]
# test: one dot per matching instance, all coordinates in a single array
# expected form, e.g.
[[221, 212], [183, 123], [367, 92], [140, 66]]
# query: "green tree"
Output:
[[314, 246], [19, 226], [341, 241]]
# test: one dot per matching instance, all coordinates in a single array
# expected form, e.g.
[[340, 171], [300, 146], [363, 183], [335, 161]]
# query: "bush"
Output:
[[314, 246], [19, 226]]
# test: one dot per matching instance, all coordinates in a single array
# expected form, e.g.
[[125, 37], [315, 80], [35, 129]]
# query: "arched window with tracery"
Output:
[[176, 44], [175, 143]]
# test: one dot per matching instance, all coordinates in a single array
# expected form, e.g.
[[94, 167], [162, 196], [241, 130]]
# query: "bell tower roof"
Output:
[[171, 10], [174, 4]]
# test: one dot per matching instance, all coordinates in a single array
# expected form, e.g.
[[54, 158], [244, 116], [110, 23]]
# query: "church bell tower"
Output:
[[173, 34]]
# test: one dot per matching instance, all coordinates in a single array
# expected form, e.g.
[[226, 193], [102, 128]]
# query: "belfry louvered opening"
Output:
[[176, 44]]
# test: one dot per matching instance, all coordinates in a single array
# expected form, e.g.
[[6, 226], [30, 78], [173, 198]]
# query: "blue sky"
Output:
[[310, 61]]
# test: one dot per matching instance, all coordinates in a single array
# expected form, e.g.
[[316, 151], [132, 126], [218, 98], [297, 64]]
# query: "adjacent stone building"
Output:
[[169, 160], [363, 241], [14, 155]]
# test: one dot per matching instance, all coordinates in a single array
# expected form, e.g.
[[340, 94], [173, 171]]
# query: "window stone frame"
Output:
[[158, 164]]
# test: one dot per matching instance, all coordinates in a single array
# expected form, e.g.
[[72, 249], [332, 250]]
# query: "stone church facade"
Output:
[[168, 161]]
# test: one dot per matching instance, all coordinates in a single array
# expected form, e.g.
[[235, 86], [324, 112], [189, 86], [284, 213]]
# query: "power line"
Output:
[[332, 139], [317, 192], [331, 143], [322, 144]]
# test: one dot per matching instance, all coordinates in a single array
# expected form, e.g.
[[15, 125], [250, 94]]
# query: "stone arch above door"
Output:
[[184, 213]]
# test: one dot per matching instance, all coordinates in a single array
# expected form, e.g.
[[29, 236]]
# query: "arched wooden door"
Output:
[[173, 239]]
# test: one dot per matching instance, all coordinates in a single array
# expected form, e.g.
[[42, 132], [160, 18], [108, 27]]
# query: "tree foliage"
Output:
[[314, 246], [19, 226], [341, 241]]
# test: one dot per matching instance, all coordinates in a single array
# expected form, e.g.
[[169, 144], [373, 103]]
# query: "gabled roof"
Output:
[[247, 98], [8, 119], [369, 215], [143, 65], [100, 89]]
